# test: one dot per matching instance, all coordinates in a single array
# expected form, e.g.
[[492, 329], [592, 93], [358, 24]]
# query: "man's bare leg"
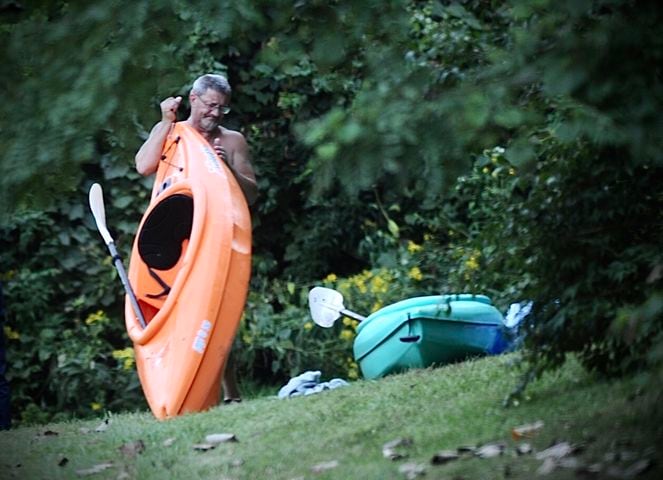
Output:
[[229, 383]]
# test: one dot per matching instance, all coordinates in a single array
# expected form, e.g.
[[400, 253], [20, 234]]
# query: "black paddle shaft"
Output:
[[117, 261]]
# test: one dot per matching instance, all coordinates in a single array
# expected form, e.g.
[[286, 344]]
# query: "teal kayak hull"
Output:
[[425, 331]]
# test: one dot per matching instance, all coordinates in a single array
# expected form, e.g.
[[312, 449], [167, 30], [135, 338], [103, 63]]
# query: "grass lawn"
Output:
[[614, 429]]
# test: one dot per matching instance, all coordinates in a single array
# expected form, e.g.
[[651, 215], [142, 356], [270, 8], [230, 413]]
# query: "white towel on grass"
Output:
[[309, 383]]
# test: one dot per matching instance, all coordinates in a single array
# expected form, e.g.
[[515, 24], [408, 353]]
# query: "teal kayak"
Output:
[[425, 331]]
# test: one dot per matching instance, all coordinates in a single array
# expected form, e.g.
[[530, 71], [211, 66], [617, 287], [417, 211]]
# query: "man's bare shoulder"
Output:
[[226, 132]]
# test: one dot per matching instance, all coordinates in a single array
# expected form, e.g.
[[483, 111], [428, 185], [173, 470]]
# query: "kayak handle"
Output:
[[410, 339]]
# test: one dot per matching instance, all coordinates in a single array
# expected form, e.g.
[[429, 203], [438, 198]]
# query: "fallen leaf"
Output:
[[389, 449], [524, 449], [94, 470], [203, 447], [626, 456], [466, 450], [527, 431], [637, 468], [169, 441], [321, 467], [610, 457], [45, 434], [103, 426], [547, 467], [570, 462], [216, 438], [444, 456], [613, 471], [490, 450], [392, 454], [412, 470], [557, 451], [656, 273], [593, 469], [132, 449]]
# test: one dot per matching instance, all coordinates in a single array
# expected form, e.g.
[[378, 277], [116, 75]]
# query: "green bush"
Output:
[[64, 304]]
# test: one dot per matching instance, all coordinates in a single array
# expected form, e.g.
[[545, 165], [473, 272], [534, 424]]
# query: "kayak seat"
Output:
[[160, 239]]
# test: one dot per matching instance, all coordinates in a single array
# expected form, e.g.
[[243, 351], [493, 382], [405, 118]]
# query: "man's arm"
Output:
[[149, 154]]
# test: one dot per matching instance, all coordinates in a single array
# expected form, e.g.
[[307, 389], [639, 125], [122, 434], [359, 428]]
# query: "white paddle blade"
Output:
[[325, 305], [97, 206]]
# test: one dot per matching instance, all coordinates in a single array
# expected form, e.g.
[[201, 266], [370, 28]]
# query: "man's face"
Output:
[[207, 109]]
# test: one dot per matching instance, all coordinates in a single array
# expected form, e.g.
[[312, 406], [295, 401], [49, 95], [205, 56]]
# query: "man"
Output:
[[210, 100]]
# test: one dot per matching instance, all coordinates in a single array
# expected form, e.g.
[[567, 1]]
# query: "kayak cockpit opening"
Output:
[[162, 242]]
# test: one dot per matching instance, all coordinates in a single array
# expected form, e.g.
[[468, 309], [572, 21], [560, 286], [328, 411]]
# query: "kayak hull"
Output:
[[426, 331], [190, 268]]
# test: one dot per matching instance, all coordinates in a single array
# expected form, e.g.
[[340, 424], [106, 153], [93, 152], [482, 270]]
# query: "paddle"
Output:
[[326, 307], [99, 212]]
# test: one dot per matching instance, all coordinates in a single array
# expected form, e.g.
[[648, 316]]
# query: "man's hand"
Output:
[[220, 151], [169, 108]]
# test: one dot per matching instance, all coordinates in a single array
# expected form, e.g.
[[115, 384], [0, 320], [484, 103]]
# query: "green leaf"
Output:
[[393, 228]]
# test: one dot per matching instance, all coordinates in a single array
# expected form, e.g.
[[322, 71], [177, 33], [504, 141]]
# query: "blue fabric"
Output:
[[308, 383], [5, 419], [510, 337]]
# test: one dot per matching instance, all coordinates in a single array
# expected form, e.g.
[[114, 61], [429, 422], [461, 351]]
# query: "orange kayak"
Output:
[[190, 268]]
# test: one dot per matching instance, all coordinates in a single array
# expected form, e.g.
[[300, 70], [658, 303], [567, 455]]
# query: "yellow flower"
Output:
[[347, 334], [353, 369], [376, 306], [96, 406], [413, 247], [380, 284], [428, 237], [472, 264], [99, 316], [8, 275], [512, 171], [348, 322], [344, 287], [308, 326], [331, 278], [247, 339], [485, 170], [415, 274], [353, 374], [11, 334], [124, 353], [127, 357]]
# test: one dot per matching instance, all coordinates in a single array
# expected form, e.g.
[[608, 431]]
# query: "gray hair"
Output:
[[216, 82]]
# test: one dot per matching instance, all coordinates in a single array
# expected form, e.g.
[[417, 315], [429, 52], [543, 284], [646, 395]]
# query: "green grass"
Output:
[[438, 409]]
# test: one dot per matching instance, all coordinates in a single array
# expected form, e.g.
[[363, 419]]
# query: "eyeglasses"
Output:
[[225, 109]]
